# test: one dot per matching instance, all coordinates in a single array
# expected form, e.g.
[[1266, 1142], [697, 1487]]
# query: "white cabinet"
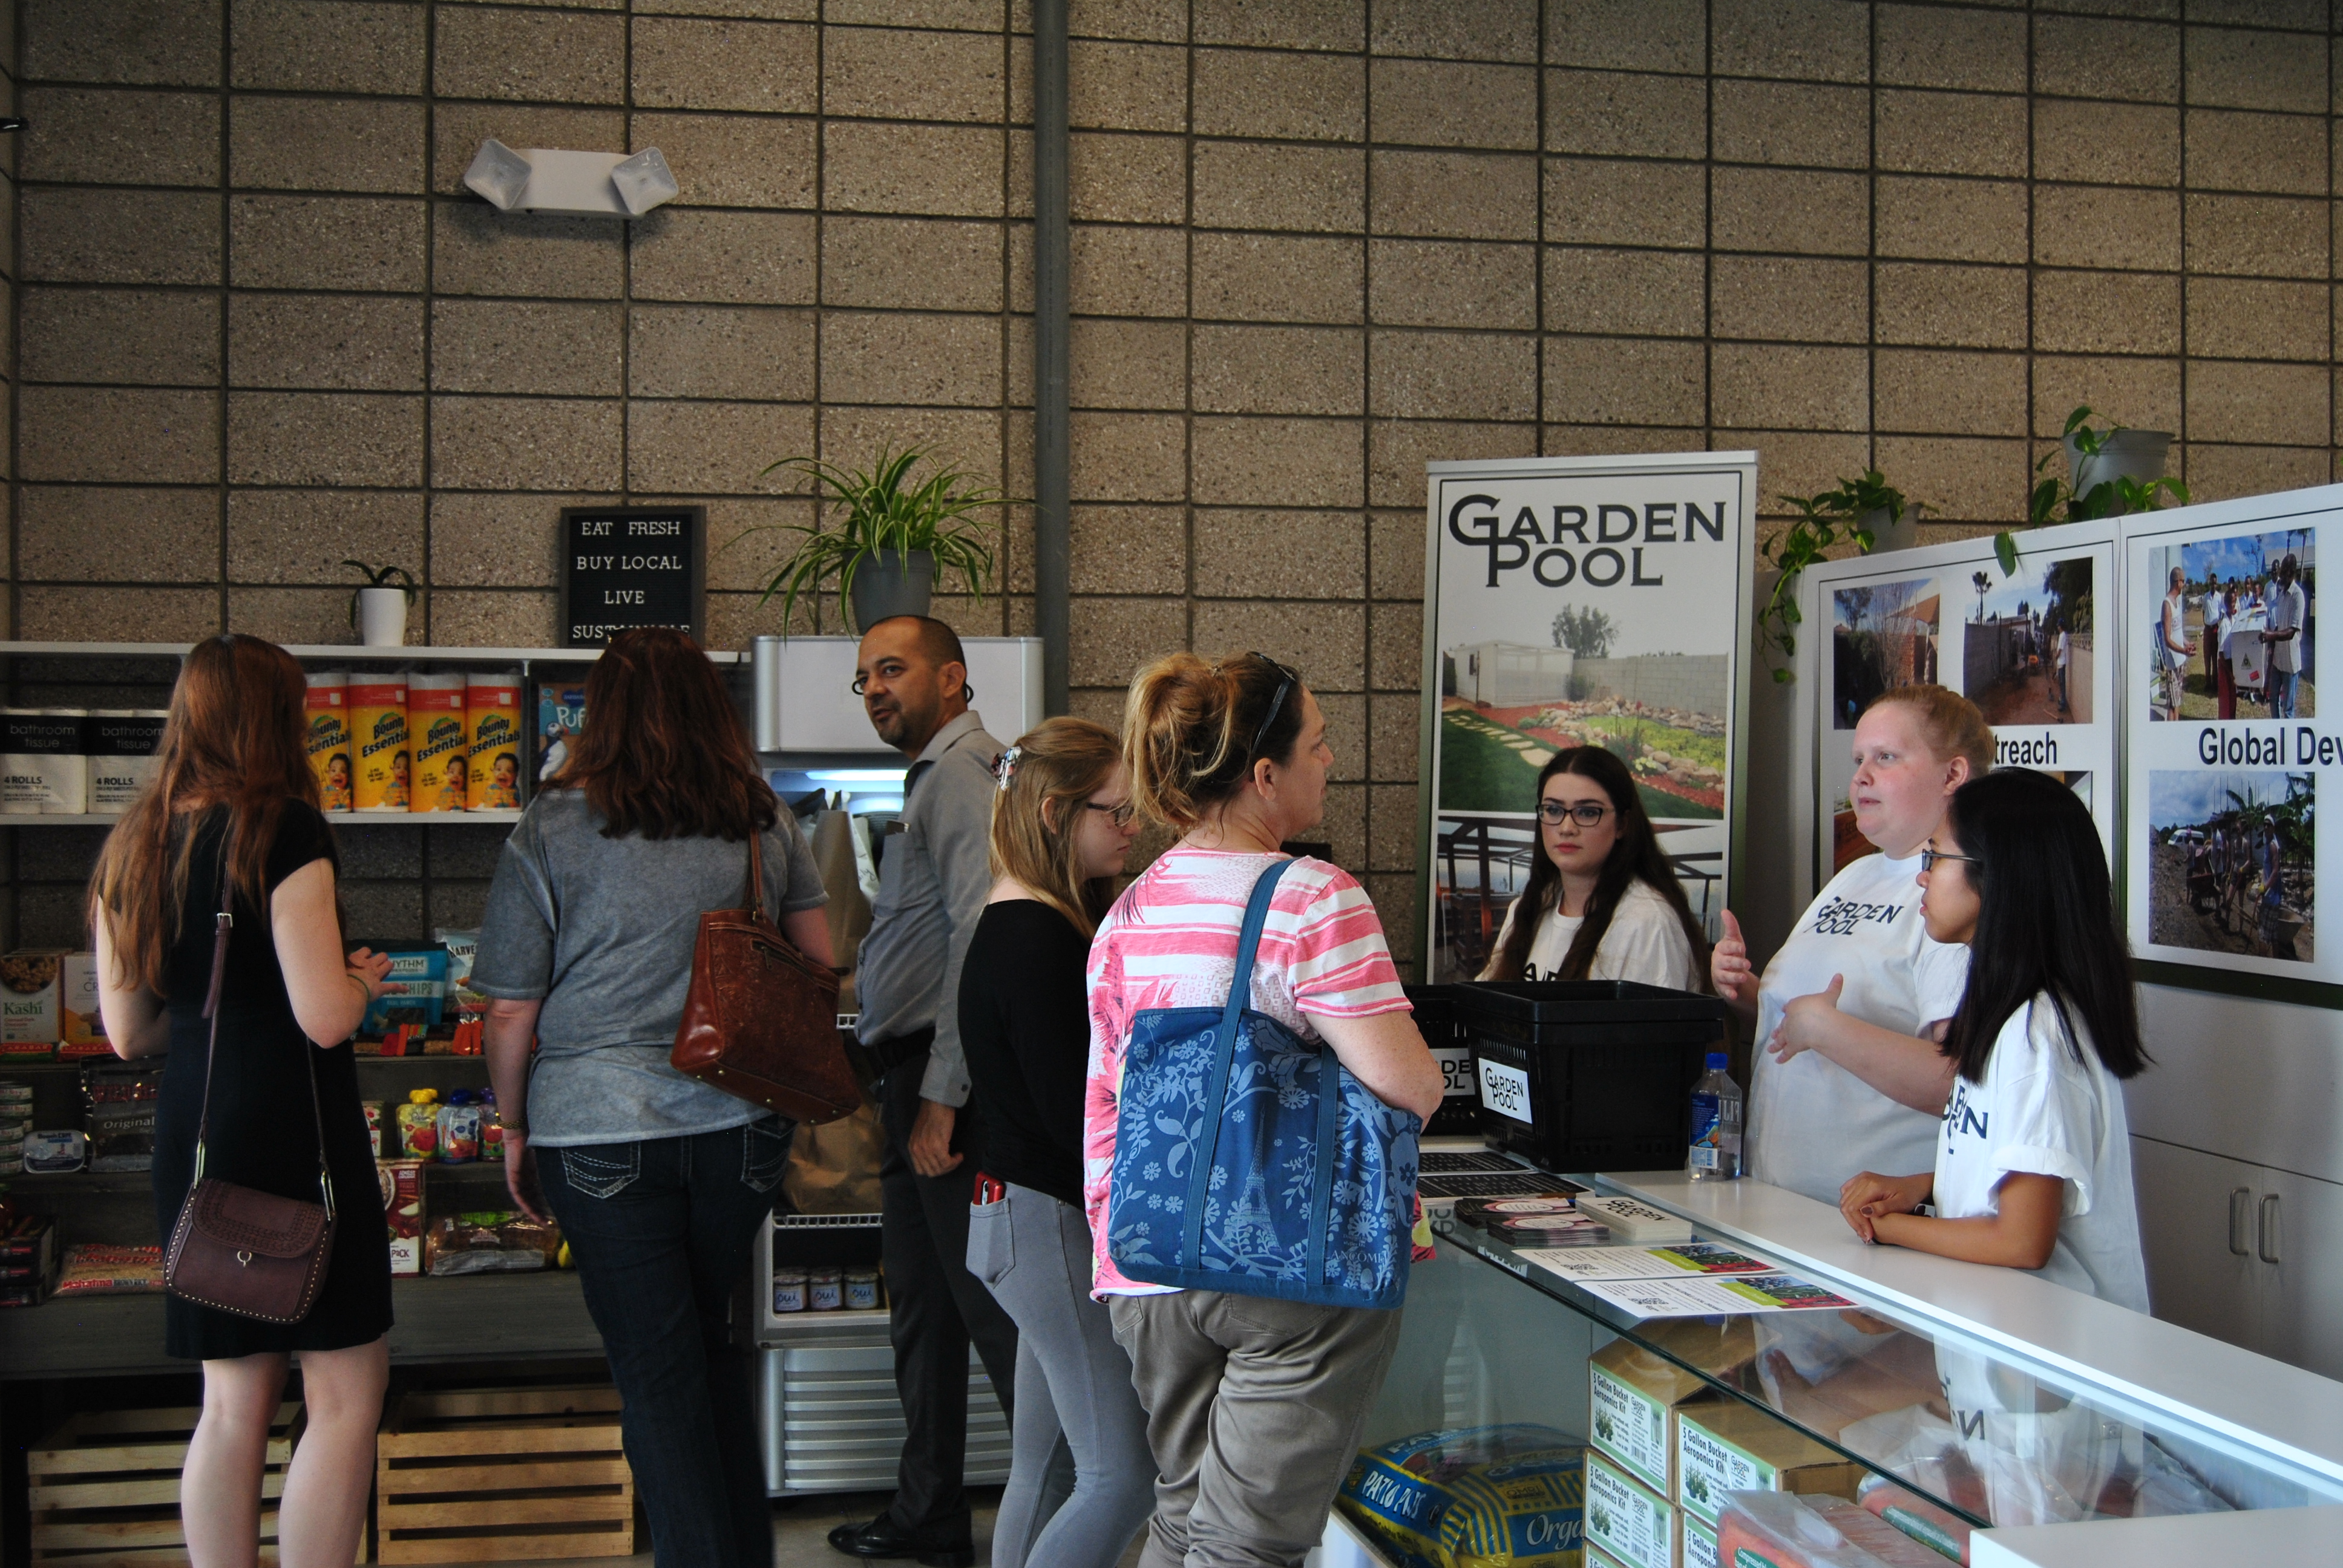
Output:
[[2300, 1222], [2195, 1224], [2243, 1252]]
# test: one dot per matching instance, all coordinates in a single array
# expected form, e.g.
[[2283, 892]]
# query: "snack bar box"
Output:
[[1633, 1397], [1730, 1446], [1625, 1520]]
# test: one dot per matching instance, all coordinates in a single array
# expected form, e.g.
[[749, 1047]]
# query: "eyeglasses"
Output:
[[1586, 813], [1928, 858], [1118, 815], [1276, 704]]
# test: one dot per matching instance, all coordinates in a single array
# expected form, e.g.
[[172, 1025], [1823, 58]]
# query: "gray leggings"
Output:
[[1082, 1483]]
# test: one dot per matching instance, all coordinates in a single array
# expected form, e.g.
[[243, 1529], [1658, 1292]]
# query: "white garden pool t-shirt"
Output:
[[1644, 941], [2042, 1112], [1811, 1123]]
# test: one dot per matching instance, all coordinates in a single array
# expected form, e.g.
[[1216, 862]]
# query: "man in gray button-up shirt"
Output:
[[934, 877]]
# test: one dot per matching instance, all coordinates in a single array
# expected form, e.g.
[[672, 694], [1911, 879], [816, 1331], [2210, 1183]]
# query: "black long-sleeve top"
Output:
[[1024, 1021]]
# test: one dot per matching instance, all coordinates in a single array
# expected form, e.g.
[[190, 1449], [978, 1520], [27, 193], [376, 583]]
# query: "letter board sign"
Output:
[[624, 567]]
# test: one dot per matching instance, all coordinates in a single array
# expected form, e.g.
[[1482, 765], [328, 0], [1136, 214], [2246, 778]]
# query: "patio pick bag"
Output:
[[1251, 1160]]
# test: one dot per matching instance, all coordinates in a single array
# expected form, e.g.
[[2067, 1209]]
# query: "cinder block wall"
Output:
[[259, 326]]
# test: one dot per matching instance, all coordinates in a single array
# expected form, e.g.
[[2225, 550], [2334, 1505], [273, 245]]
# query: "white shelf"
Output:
[[315, 651], [342, 819]]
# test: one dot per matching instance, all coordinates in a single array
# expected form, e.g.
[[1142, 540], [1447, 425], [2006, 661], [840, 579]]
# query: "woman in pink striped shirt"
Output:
[[1254, 1405]]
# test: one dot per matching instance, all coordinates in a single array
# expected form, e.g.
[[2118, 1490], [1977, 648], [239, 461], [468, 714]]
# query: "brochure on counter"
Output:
[[1674, 1261], [1717, 1296], [1690, 1279]]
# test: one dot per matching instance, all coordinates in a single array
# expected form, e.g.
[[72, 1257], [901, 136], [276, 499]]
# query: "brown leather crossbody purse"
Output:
[[761, 1021], [233, 1249]]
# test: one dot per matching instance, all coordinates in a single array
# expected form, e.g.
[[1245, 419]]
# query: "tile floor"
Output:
[[800, 1533]]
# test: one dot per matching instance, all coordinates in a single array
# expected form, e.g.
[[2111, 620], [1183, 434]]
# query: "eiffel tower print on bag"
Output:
[[1249, 1160]]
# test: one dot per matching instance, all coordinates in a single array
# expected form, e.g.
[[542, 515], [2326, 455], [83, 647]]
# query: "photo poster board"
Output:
[[1575, 601], [624, 566], [1948, 614], [2226, 849]]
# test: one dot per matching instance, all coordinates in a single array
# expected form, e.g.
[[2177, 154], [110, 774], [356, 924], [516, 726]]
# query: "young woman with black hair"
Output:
[[1602, 902], [2034, 1163]]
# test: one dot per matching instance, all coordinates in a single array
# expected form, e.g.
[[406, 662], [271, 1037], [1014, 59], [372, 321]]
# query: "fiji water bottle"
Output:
[[1715, 1154]]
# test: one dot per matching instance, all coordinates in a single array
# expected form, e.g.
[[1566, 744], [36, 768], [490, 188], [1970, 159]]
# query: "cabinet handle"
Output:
[[2270, 1248], [2241, 1200]]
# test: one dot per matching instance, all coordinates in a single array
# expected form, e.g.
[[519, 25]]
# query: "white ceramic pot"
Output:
[[382, 617]]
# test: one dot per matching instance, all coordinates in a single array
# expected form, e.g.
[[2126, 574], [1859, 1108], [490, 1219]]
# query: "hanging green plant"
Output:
[[1823, 519], [2054, 499]]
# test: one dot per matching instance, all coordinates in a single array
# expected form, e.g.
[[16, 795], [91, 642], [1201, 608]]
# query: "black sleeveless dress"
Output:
[[262, 1134]]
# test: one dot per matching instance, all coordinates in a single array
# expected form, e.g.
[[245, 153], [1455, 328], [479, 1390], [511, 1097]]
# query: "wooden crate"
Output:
[[103, 1489], [500, 1475]]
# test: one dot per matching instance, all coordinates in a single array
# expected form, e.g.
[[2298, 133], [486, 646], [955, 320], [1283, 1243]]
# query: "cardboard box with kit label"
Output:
[[1632, 1398], [1625, 1520], [1695, 1541], [1729, 1446]]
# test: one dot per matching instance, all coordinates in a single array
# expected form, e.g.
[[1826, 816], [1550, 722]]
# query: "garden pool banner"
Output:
[[1578, 601]]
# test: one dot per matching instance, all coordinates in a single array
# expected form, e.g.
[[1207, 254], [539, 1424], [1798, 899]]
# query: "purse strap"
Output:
[[224, 923], [1224, 1056], [755, 875]]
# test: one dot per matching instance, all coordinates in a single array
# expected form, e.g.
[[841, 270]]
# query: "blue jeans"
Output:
[[661, 1230], [2281, 688]]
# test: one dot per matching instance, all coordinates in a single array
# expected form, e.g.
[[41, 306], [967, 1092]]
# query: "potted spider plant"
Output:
[[891, 536], [378, 610]]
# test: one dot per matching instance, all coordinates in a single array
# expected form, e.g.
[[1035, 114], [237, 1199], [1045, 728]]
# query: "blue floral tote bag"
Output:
[[1249, 1160]]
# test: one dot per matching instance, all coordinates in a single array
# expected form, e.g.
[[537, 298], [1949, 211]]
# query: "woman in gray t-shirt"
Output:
[[659, 1182]]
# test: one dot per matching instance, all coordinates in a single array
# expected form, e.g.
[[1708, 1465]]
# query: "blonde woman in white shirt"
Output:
[[1602, 902], [1848, 1075]]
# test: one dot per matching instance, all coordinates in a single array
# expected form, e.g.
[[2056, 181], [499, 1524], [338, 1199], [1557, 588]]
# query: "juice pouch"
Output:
[[434, 722], [460, 1129], [492, 726], [418, 1125], [378, 729], [329, 739]]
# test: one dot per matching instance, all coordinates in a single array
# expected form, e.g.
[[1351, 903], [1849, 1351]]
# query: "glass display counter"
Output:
[[1974, 1397]]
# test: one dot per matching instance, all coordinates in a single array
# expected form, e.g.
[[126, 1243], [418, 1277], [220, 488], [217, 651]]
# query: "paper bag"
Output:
[[834, 1168]]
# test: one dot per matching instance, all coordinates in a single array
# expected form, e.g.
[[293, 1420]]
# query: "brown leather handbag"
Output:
[[235, 1248], [761, 1021]]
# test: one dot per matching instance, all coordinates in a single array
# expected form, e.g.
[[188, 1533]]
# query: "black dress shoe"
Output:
[[882, 1537]]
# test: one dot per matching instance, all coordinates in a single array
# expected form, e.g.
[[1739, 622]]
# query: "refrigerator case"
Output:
[[827, 1416]]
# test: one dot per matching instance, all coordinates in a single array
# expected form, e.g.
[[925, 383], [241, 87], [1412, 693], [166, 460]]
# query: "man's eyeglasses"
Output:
[[1118, 815], [1276, 704], [1586, 813], [1928, 858]]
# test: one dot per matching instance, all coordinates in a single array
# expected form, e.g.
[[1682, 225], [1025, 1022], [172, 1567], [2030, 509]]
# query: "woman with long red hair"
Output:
[[233, 801], [660, 1181]]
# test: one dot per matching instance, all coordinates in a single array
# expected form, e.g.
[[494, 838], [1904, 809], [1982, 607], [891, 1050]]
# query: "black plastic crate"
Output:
[[1588, 1075], [1442, 1028]]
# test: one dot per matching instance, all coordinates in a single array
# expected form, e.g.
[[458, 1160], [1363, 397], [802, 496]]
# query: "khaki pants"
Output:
[[1254, 1409]]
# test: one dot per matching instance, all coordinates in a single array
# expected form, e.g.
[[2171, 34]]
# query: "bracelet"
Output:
[[359, 980], [521, 1127]]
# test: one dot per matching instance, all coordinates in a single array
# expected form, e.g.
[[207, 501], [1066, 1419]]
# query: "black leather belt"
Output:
[[887, 1055]]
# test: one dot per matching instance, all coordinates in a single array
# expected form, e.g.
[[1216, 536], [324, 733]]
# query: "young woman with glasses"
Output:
[[1602, 901], [1080, 1478], [2032, 1167]]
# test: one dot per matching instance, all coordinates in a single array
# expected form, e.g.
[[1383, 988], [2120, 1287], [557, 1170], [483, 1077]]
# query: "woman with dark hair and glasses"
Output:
[[2034, 1162], [1602, 902]]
